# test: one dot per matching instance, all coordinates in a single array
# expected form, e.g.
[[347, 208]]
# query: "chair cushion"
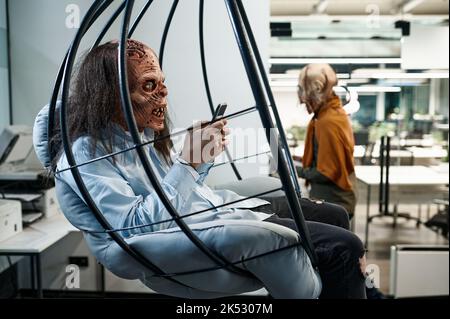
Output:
[[40, 137], [285, 274], [254, 185]]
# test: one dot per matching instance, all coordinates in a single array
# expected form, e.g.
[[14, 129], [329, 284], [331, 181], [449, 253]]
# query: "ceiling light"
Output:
[[292, 87], [336, 60], [295, 75], [399, 75], [375, 89]]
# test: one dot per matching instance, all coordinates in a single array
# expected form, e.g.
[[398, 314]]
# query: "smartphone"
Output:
[[220, 111]]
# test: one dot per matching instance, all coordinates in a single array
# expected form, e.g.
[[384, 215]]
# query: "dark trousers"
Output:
[[338, 250], [313, 210]]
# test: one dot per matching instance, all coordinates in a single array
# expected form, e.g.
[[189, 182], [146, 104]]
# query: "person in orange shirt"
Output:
[[328, 164]]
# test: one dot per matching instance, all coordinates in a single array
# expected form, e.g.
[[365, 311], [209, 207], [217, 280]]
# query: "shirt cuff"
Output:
[[204, 168], [183, 179], [185, 165]]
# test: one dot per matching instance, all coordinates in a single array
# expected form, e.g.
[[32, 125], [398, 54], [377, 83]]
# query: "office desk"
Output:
[[34, 240], [400, 176], [415, 156]]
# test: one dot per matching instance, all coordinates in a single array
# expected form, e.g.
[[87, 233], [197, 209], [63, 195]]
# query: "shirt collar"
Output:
[[146, 135]]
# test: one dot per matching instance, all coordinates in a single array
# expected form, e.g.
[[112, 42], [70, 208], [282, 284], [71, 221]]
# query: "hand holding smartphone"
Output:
[[209, 129]]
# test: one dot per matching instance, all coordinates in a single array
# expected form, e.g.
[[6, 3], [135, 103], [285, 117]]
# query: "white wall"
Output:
[[39, 38], [427, 41], [4, 93], [291, 112]]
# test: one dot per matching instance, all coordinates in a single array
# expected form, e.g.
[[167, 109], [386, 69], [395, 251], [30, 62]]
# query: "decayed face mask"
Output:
[[147, 89]]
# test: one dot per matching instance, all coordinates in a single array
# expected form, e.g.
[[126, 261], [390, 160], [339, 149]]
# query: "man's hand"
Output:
[[205, 142]]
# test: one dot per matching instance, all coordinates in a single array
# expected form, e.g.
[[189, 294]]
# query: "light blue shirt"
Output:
[[124, 194]]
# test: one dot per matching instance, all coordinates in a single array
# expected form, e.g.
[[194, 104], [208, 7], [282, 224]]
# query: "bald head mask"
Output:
[[316, 84]]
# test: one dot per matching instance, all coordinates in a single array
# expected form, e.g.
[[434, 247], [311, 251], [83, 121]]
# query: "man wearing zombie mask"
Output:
[[122, 191]]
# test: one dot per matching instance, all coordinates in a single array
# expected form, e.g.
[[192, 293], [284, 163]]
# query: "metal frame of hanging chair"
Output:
[[265, 103]]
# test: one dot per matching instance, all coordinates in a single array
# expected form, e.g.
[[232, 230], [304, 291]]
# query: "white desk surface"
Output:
[[38, 236], [416, 152], [427, 152], [405, 175]]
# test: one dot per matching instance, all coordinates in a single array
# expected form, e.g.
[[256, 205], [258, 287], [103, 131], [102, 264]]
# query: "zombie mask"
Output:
[[147, 89]]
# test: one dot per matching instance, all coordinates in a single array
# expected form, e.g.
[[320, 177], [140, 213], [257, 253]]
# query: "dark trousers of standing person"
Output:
[[338, 250]]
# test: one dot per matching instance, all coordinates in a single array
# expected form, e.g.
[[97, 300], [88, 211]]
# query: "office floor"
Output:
[[382, 235]]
